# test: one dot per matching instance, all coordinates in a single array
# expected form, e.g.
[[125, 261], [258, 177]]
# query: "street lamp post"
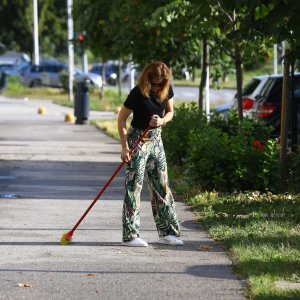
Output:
[[36, 33], [70, 48]]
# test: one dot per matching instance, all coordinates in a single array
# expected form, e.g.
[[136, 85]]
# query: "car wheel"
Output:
[[35, 83]]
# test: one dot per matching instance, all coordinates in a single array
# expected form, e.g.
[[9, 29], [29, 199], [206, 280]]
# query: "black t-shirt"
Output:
[[144, 108]]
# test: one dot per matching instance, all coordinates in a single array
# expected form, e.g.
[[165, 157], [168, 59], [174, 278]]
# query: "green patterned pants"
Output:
[[149, 156]]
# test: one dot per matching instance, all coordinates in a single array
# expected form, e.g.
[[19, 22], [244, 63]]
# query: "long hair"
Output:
[[159, 71]]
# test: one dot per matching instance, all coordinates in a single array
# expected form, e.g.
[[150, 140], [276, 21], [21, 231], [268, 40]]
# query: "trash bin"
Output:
[[82, 102], [3, 82]]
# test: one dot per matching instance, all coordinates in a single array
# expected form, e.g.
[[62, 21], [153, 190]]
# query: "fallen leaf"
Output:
[[204, 248], [27, 285], [89, 275]]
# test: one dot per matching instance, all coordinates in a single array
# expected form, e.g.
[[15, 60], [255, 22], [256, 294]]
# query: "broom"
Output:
[[67, 237]]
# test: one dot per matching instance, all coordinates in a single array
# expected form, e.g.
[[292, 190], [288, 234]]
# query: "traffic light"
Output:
[[80, 38], [79, 42]]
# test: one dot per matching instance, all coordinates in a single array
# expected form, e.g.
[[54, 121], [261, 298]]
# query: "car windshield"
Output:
[[250, 86]]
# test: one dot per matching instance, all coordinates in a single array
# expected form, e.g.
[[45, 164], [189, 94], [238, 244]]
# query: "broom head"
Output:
[[66, 238]]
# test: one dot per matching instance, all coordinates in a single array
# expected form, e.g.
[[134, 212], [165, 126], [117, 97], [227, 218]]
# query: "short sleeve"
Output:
[[130, 101], [170, 93]]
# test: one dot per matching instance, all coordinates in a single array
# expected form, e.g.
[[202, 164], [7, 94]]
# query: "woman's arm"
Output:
[[123, 116], [169, 113]]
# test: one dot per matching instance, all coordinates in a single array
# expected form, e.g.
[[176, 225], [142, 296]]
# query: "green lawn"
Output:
[[261, 233]]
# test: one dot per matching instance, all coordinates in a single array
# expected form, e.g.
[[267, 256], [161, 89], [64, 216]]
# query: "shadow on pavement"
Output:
[[218, 271]]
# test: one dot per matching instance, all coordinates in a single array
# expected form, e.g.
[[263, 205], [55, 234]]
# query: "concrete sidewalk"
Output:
[[50, 171]]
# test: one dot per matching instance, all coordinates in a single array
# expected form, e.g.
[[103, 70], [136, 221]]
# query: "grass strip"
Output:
[[109, 102], [110, 127], [262, 235]]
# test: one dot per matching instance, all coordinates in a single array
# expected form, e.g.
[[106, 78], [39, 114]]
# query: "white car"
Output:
[[249, 93], [95, 79]]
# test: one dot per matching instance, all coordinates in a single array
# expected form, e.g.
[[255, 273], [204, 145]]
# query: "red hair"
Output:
[[159, 71]]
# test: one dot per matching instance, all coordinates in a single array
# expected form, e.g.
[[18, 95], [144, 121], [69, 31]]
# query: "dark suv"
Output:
[[268, 101], [262, 99]]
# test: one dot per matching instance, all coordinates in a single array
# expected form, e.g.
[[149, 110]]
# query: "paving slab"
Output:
[[50, 171]]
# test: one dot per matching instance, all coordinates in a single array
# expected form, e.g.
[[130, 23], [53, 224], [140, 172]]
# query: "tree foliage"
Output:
[[16, 21]]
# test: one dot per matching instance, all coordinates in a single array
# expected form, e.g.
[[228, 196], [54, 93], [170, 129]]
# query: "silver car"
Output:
[[50, 75]]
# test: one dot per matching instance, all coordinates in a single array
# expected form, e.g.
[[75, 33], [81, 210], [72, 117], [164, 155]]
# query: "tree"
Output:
[[16, 33], [127, 28], [16, 17], [92, 17]]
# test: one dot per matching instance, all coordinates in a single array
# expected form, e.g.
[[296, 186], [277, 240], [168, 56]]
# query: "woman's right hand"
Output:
[[125, 154]]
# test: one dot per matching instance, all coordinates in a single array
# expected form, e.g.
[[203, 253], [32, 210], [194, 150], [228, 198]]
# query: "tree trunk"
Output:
[[194, 74], [284, 119], [239, 78], [203, 72]]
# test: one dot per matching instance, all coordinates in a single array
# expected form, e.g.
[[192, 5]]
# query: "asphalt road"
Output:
[[217, 97], [50, 171]]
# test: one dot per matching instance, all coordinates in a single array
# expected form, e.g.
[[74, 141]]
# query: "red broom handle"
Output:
[[110, 179]]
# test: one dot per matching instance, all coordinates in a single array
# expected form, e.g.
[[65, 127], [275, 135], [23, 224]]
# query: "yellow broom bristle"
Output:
[[64, 241]]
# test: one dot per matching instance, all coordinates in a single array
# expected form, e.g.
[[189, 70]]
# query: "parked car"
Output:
[[268, 101], [12, 63], [126, 72], [249, 92], [111, 71], [265, 101], [95, 79], [222, 110], [48, 73]]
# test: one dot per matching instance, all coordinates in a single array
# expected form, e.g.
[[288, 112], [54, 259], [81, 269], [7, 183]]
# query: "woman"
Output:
[[151, 103]]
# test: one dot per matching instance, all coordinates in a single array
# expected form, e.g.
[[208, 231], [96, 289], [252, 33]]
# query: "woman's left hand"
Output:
[[156, 121]]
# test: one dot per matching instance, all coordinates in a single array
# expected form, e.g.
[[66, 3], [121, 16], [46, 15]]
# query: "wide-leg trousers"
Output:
[[149, 156]]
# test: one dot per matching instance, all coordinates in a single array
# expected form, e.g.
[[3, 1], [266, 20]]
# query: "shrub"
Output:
[[225, 162], [294, 171], [223, 154], [175, 134]]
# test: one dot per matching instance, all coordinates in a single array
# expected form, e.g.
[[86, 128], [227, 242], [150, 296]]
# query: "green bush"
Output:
[[222, 154], [294, 171], [176, 133], [229, 162]]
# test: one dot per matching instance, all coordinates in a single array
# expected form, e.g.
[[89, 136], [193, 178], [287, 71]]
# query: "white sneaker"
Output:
[[170, 240], [136, 242]]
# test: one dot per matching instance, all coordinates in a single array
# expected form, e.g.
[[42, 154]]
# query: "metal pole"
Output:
[[207, 99], [70, 48], [131, 75], [36, 33], [85, 62], [275, 60]]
